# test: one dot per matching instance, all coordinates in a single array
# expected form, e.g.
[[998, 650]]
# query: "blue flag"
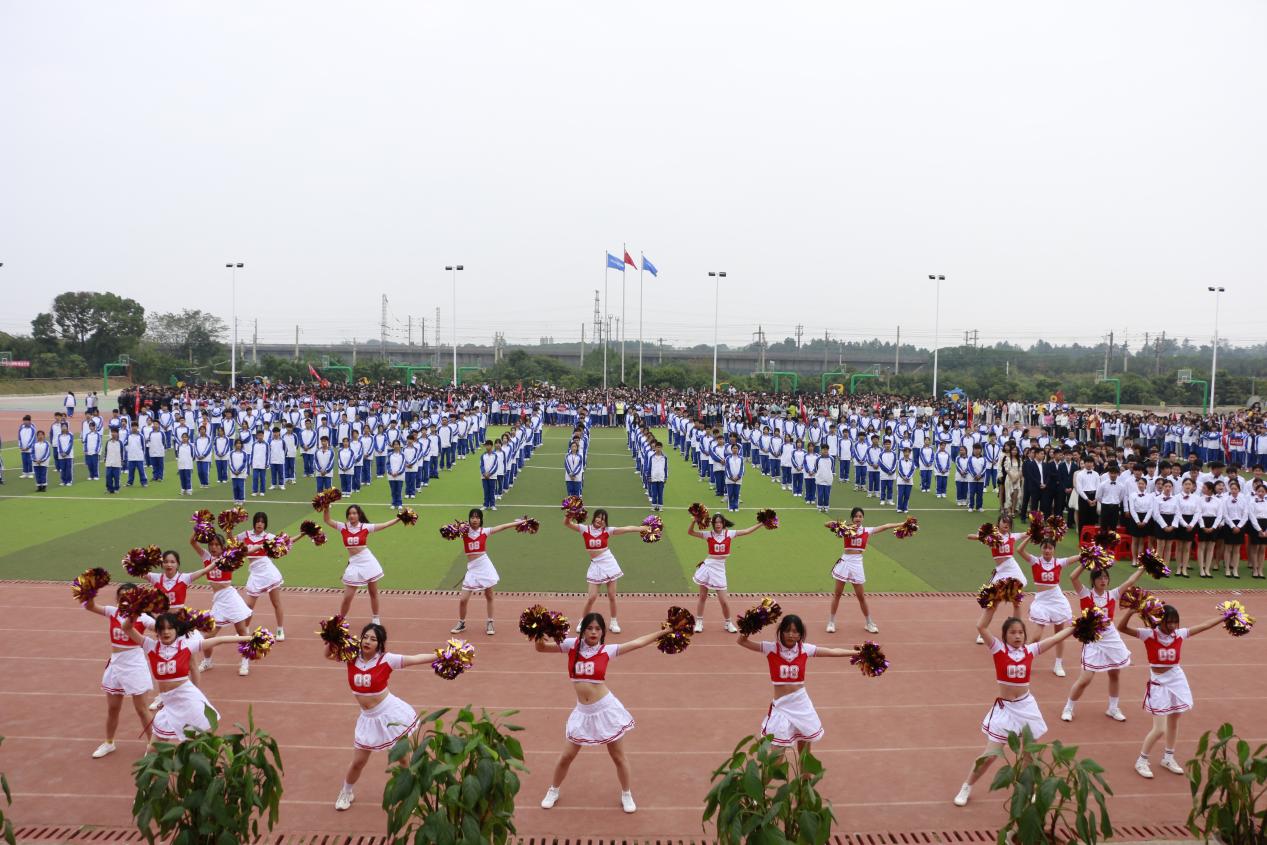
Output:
[[649, 267], [614, 263]]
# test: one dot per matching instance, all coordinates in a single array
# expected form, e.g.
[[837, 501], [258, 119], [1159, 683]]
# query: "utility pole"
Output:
[[296, 341], [1126, 343], [826, 343], [598, 318], [409, 331], [1157, 354], [897, 352], [660, 360], [800, 329], [759, 339], [582, 346], [382, 332], [437, 338], [354, 353], [255, 343], [1108, 353]]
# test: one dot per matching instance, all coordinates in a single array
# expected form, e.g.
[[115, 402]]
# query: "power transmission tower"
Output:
[[409, 331], [598, 319], [971, 337], [1157, 344], [255, 343], [800, 329], [582, 346], [759, 339], [437, 338], [660, 360], [1108, 353], [422, 332], [382, 332]]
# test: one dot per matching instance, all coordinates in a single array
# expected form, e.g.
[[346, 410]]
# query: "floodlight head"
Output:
[[448, 266], [459, 266], [722, 274]]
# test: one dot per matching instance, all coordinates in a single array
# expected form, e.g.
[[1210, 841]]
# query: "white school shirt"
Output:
[[324, 460], [239, 464], [659, 467], [259, 454], [135, 449]]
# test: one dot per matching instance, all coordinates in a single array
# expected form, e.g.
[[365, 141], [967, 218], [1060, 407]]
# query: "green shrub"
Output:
[[763, 794], [1227, 788]]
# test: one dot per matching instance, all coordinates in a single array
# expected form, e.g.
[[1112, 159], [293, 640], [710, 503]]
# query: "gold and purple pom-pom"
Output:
[[1036, 530], [204, 525], [989, 535], [539, 624], [699, 513], [840, 529], [527, 525], [1005, 591], [1150, 608], [768, 518], [277, 546], [326, 498], [759, 616], [574, 507], [1108, 538], [337, 636], [907, 528], [232, 558], [454, 530], [1153, 565], [676, 631], [313, 532], [85, 587], [231, 518], [142, 560], [407, 516], [1055, 528], [1132, 597], [201, 621], [1236, 619], [258, 645], [1096, 558], [1090, 625], [453, 658], [656, 525], [143, 599], [870, 659]]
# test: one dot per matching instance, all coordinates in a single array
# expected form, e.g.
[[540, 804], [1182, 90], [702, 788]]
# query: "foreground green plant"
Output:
[[6, 823], [1053, 792], [209, 788], [1227, 788], [764, 794], [457, 786]]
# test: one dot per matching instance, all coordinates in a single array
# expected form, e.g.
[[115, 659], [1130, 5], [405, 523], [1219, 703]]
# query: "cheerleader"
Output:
[[384, 718], [171, 659], [598, 718], [227, 607], [791, 717], [603, 568], [126, 674], [1167, 695], [1005, 565], [1050, 606], [175, 585], [1107, 654], [1015, 708], [710, 574], [849, 569], [1234, 518], [264, 577], [1138, 509], [481, 575], [363, 569], [1185, 525], [1165, 519], [1258, 529], [1209, 516]]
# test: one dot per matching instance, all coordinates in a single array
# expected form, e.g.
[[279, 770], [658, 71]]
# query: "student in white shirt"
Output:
[[658, 475], [185, 465], [135, 453]]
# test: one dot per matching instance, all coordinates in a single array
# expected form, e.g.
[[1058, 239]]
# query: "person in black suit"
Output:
[[1032, 473], [1064, 486], [1052, 486]]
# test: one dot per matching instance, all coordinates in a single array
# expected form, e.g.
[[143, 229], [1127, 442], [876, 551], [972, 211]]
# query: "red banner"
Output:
[[22, 364]]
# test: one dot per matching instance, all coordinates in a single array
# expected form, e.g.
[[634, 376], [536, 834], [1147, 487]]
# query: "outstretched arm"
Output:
[[1201, 627], [1130, 582], [748, 643], [744, 532], [826, 651], [325, 517], [640, 642], [889, 526], [504, 526], [629, 529], [379, 526], [210, 642], [1047, 643]]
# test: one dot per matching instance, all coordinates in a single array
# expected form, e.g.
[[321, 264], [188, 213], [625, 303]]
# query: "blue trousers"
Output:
[[134, 468], [873, 481], [28, 466], [41, 475], [961, 491], [345, 483], [785, 472], [410, 483], [992, 477], [324, 482], [490, 492], [732, 496], [66, 466], [91, 462], [290, 469], [941, 485], [844, 471], [925, 480], [798, 484], [157, 468], [380, 465], [823, 492], [186, 479], [309, 463], [904, 497], [112, 479], [366, 474], [222, 470], [657, 492], [204, 473], [259, 480], [573, 487], [886, 490], [976, 495], [277, 474], [719, 482], [860, 475], [809, 489], [239, 489], [397, 488]]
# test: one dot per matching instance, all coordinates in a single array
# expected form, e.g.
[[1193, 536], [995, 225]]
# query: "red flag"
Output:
[[521, 388], [313, 372], [969, 415], [803, 418], [629, 260], [747, 410]]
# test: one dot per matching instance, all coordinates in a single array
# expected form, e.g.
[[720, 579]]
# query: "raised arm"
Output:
[[1047, 643], [196, 546], [1202, 627], [826, 651], [629, 529], [1130, 581], [1121, 623], [747, 643], [693, 531], [744, 532], [569, 524], [1075, 577], [325, 517], [983, 625], [1025, 538], [91, 607], [504, 526]]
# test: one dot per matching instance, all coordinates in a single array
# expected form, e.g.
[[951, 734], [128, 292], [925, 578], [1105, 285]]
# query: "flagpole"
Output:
[[642, 259], [603, 328], [624, 250]]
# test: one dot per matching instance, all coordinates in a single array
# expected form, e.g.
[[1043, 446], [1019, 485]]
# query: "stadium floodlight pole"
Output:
[[936, 329], [717, 277], [454, 268], [233, 353], [1214, 361]]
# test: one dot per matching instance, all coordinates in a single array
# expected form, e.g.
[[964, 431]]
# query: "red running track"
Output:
[[896, 748]]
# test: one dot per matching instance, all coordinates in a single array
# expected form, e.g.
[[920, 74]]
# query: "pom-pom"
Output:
[[84, 588], [1004, 591], [407, 516], [1107, 538], [574, 507], [326, 498], [204, 525], [1149, 607], [140, 561], [258, 645], [231, 518], [870, 659], [528, 525], [232, 558], [1090, 625], [453, 530], [840, 529], [537, 624], [145, 599], [201, 621], [337, 636], [1055, 528], [453, 658], [755, 618], [699, 513], [1037, 530], [1236, 619], [676, 631], [1153, 565], [907, 528], [657, 529], [989, 535], [313, 532], [1096, 558], [768, 518], [277, 546]]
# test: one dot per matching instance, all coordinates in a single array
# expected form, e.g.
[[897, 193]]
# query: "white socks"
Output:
[[1113, 702]]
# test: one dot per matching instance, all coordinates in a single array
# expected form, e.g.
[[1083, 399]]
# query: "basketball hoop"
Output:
[[1185, 377]]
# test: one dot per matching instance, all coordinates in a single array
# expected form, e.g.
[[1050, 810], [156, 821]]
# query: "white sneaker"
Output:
[[961, 800], [627, 803], [979, 640], [730, 627], [461, 626], [103, 749], [206, 665], [375, 620], [1066, 715], [1142, 768], [699, 626], [870, 627], [156, 703], [344, 801], [552, 797], [280, 636], [615, 626], [489, 629], [1058, 670], [1114, 713], [1170, 764], [831, 627], [244, 668]]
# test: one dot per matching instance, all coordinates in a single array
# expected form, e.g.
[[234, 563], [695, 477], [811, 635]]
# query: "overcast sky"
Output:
[[1071, 167]]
